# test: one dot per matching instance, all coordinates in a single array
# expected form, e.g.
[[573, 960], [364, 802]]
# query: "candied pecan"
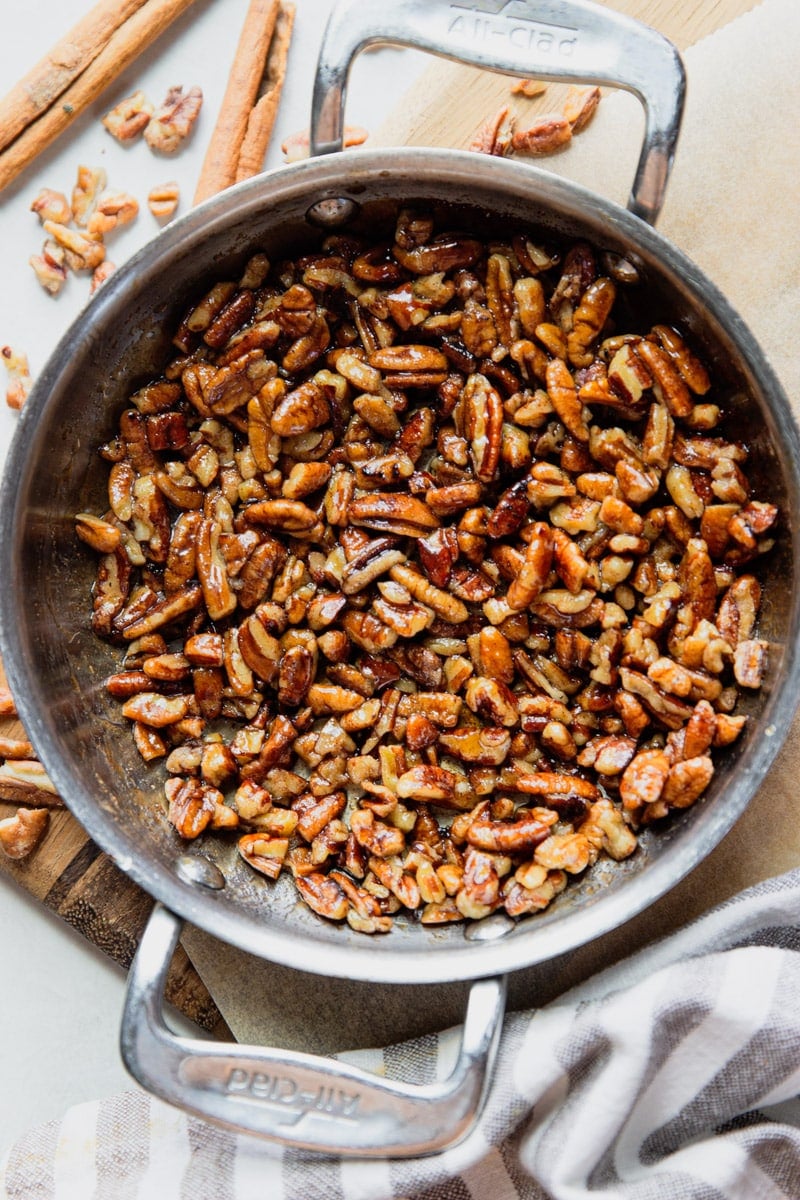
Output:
[[22, 833], [644, 779], [749, 662], [518, 836], [535, 568], [548, 133], [437, 499], [267, 854]]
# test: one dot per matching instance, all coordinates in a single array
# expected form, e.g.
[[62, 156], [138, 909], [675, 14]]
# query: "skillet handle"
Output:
[[550, 39], [298, 1099]]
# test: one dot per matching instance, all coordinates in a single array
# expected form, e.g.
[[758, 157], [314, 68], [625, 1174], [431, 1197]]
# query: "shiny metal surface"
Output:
[[301, 1099], [57, 668], [549, 39]]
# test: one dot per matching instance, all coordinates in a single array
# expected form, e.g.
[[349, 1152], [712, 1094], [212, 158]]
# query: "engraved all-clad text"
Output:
[[280, 1089], [505, 23]]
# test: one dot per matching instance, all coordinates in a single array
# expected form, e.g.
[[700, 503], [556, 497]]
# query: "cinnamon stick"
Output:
[[262, 117], [219, 166], [125, 45], [53, 74]]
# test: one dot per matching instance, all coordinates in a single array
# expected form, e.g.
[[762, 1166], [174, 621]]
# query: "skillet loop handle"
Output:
[[301, 1100], [549, 39]]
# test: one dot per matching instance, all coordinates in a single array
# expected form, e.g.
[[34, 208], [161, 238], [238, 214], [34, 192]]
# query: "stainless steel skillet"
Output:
[[57, 668]]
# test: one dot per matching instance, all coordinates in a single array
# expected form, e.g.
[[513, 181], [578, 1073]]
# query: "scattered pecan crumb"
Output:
[[113, 209], [129, 118], [19, 378], [172, 123], [101, 274]]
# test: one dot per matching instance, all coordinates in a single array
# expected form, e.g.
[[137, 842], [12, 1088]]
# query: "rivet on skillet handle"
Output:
[[299, 1099], [555, 39]]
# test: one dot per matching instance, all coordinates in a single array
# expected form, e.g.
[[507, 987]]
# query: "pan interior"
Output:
[[57, 667]]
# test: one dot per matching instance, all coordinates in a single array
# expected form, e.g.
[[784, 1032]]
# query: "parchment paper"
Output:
[[732, 207]]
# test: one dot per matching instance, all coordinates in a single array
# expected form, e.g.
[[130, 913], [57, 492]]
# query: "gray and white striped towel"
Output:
[[673, 1074]]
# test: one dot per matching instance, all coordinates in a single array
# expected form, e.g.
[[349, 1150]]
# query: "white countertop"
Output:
[[61, 998]]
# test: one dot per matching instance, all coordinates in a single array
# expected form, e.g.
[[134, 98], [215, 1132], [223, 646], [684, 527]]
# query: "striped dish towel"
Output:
[[673, 1074]]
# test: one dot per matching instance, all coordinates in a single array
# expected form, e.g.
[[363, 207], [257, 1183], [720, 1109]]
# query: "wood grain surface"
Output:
[[68, 873], [72, 877], [450, 101]]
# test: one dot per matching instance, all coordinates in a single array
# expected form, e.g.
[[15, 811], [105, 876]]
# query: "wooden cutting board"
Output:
[[68, 873], [71, 876]]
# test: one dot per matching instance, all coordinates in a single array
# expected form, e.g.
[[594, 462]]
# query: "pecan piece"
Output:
[[644, 779], [394, 512], [687, 780], [548, 133], [518, 836], [25, 781], [580, 106], [83, 251], [750, 662], [494, 135], [287, 516], [19, 377], [191, 805], [410, 365], [22, 833], [51, 206], [378, 838], [445, 605], [172, 123], [220, 600], [267, 854], [486, 747], [534, 569], [433, 784], [163, 199], [483, 425], [49, 267]]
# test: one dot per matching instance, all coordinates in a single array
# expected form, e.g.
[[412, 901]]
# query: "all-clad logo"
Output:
[[284, 1092], [497, 21]]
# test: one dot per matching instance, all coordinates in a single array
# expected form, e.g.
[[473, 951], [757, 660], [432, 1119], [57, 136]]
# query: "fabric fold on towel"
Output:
[[672, 1075]]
